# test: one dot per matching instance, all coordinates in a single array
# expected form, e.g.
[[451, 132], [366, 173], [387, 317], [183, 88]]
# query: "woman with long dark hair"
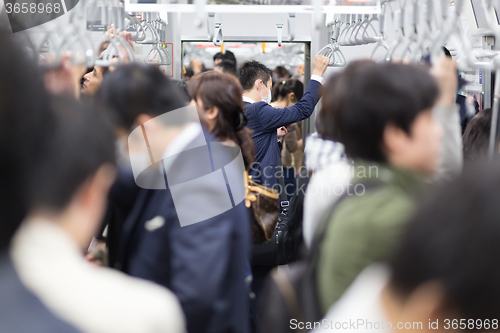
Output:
[[286, 93], [218, 97]]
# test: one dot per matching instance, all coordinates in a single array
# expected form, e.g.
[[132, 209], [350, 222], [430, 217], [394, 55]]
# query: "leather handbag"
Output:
[[264, 210]]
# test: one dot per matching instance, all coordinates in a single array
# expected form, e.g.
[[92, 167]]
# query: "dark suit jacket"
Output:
[[204, 263], [20, 310], [264, 120]]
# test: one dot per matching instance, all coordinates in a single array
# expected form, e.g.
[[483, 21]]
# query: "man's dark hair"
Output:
[[227, 66], [253, 70], [453, 239], [476, 138], [82, 142], [25, 122], [138, 89], [365, 97], [219, 55], [189, 72], [230, 56]]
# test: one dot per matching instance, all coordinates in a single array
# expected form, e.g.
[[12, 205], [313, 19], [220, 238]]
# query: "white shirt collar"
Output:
[[248, 100]]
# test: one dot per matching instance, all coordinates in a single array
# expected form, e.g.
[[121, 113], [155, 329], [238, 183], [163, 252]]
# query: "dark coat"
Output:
[[20, 310], [204, 264]]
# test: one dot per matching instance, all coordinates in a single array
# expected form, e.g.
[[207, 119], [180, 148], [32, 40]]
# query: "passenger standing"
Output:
[[383, 114], [68, 198], [476, 138], [218, 97], [226, 66], [285, 94], [203, 261], [264, 120]]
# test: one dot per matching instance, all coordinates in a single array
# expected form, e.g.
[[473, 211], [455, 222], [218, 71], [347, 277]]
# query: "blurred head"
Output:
[[290, 91], [188, 74], [383, 113], [255, 78], [476, 138], [25, 123], [228, 55], [93, 79], [218, 97], [226, 66], [77, 170], [446, 265], [218, 57], [281, 72], [137, 92]]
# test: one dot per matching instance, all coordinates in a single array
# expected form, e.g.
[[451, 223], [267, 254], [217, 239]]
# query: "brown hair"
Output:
[[224, 92]]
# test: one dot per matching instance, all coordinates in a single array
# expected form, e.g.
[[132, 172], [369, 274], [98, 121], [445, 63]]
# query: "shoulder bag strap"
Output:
[[283, 197]]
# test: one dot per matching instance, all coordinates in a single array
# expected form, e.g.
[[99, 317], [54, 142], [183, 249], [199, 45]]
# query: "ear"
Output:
[[394, 139], [212, 113], [256, 84], [291, 97]]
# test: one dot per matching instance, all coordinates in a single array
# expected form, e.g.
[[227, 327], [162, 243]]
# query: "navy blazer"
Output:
[[20, 310], [264, 120], [204, 264]]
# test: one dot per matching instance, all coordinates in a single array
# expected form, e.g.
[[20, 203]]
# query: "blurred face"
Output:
[[92, 81], [419, 150]]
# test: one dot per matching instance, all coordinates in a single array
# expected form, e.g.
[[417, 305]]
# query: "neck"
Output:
[[409, 166], [281, 103], [70, 221], [227, 142], [253, 94]]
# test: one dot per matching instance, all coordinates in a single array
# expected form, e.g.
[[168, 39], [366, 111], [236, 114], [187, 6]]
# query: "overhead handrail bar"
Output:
[[332, 50], [381, 43], [366, 36], [398, 21], [218, 38], [345, 30]]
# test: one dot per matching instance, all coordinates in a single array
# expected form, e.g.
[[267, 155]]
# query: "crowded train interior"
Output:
[[249, 166]]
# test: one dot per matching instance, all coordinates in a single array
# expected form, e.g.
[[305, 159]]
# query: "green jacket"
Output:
[[363, 228]]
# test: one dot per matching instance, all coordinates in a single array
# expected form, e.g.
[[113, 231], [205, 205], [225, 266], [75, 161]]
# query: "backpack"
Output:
[[291, 295]]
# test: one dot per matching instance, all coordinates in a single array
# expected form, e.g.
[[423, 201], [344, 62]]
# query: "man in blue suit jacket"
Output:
[[264, 120], [187, 228]]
